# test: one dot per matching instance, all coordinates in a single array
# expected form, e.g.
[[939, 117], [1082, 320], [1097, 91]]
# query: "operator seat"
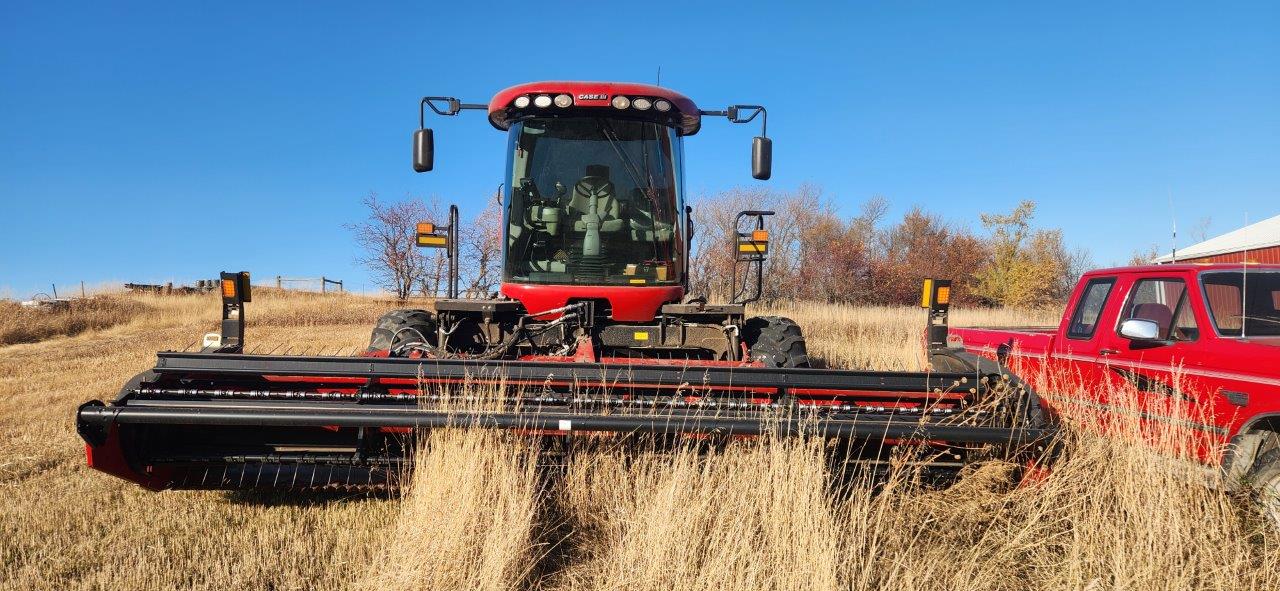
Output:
[[594, 208], [1157, 313], [596, 186]]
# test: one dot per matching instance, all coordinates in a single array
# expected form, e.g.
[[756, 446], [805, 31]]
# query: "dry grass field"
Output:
[[756, 515]]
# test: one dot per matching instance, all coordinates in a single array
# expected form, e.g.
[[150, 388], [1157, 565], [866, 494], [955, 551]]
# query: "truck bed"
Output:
[[1022, 340]]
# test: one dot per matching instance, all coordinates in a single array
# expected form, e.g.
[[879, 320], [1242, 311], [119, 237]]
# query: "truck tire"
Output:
[[398, 327], [775, 341], [1265, 479]]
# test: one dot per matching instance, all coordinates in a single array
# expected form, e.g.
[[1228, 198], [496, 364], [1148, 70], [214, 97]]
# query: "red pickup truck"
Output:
[[1204, 336]]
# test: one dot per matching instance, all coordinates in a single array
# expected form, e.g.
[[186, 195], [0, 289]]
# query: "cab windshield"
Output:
[[593, 201], [1257, 293]]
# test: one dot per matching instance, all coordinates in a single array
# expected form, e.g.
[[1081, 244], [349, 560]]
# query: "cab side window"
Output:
[[1085, 318], [1164, 302]]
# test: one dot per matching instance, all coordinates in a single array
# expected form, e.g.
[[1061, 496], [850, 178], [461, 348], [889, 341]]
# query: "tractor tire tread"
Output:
[[387, 333], [776, 340]]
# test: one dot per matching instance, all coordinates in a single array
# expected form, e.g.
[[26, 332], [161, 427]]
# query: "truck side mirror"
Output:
[[424, 149], [761, 158], [1139, 329]]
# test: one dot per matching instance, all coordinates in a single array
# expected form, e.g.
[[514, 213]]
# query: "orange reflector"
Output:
[[926, 294], [753, 247], [760, 235], [944, 295], [228, 288], [426, 228]]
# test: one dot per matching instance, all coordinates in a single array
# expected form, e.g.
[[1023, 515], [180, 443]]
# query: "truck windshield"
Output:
[[1260, 302], [593, 201]]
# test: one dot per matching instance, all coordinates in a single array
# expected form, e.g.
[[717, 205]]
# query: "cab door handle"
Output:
[[1105, 352]]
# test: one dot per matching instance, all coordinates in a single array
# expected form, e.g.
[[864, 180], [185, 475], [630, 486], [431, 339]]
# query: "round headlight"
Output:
[[563, 100], [642, 103], [662, 105], [621, 102], [542, 100], [522, 102]]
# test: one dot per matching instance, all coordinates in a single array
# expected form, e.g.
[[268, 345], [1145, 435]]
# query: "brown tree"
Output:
[[713, 255], [480, 246], [387, 238], [922, 246]]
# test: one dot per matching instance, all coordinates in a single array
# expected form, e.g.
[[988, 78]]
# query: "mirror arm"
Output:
[[444, 105], [735, 115]]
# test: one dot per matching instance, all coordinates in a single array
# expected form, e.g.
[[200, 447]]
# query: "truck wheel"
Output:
[[775, 341], [400, 327], [1265, 479]]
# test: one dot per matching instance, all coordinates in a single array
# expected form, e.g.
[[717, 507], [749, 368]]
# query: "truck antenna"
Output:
[[1244, 283], [1174, 215], [659, 82]]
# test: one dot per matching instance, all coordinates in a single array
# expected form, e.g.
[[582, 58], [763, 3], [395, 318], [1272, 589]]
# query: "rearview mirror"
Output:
[[423, 150], [1138, 329], [761, 158]]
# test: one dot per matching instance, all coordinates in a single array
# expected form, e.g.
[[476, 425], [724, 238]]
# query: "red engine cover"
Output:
[[629, 304]]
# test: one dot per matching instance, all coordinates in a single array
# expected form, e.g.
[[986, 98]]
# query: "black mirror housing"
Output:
[[761, 158], [423, 150]]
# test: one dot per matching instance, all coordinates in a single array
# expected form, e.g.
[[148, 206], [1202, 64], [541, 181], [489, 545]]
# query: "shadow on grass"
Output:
[[308, 497]]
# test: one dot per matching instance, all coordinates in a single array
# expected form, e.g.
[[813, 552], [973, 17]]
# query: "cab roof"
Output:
[[685, 114], [1182, 267]]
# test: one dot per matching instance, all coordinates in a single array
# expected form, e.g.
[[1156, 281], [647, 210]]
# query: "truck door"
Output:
[[1152, 373], [1077, 354]]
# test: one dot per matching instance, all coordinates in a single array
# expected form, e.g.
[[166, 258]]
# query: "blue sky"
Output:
[[155, 142]]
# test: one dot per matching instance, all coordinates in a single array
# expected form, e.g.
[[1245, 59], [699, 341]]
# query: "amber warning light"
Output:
[[235, 286], [935, 294], [756, 243], [429, 238]]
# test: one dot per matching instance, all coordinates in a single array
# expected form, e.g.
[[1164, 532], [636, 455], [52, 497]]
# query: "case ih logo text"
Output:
[[593, 97]]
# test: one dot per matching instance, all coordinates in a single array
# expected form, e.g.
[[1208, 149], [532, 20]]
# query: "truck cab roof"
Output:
[[679, 111], [1182, 267]]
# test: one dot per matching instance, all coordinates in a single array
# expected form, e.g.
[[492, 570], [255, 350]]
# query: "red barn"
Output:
[[1255, 243]]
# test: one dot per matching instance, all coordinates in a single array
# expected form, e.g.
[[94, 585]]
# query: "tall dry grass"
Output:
[[20, 324], [467, 519], [755, 514], [63, 526], [885, 338], [762, 515]]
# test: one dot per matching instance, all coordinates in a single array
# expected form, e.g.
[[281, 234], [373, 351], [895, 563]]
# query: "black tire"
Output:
[[1265, 480], [775, 341], [398, 327]]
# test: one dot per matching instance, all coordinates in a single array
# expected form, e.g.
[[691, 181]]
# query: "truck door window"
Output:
[[1085, 319], [1164, 302]]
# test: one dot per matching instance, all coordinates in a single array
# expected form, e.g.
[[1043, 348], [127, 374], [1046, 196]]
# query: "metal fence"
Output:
[[303, 283]]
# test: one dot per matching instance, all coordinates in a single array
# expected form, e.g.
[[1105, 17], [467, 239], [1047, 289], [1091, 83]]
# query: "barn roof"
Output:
[[1263, 234]]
